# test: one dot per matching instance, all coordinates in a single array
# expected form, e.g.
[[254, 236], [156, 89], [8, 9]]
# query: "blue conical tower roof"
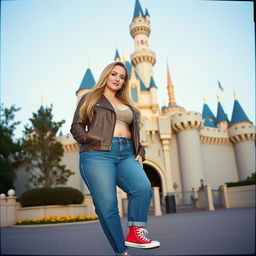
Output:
[[117, 56], [238, 114], [146, 12], [60, 133], [137, 10], [209, 123], [207, 113], [88, 81], [41, 113], [143, 88], [221, 116], [152, 83], [128, 66], [208, 116], [42, 108]]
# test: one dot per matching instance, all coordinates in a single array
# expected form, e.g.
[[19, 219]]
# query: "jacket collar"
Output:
[[104, 103]]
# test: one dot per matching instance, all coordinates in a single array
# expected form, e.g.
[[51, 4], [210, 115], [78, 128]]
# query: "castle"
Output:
[[183, 148]]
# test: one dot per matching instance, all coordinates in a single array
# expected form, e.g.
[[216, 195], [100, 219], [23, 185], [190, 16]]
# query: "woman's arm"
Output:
[[141, 149], [78, 124], [142, 152]]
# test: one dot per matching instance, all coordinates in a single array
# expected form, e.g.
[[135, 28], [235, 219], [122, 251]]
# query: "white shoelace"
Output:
[[142, 234]]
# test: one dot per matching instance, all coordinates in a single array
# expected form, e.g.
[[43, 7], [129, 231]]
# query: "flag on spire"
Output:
[[220, 87]]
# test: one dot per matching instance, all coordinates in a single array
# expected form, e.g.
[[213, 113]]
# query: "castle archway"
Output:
[[156, 175]]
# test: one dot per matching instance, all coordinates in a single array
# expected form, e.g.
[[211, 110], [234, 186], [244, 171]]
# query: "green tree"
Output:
[[10, 150], [42, 152], [252, 177]]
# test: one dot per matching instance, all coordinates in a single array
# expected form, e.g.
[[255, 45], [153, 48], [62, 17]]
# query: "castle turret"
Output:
[[147, 16], [208, 117], [117, 56], [87, 83], [221, 120], [172, 106], [153, 95], [142, 58], [187, 125], [170, 88], [242, 134]]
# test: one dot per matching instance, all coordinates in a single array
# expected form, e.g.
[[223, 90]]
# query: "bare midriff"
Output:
[[121, 131], [121, 128]]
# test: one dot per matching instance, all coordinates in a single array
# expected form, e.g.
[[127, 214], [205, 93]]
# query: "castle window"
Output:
[[134, 95]]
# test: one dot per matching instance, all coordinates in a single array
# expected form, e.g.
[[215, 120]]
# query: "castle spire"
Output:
[[117, 56], [42, 101], [238, 114], [138, 12], [208, 116], [147, 13], [221, 115], [88, 80], [170, 88], [143, 59], [123, 56]]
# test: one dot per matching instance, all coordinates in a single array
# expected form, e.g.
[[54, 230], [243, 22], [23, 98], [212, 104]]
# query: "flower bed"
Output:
[[56, 219]]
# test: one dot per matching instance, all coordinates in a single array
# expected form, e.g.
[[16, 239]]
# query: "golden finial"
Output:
[[123, 56], [88, 65], [42, 100], [205, 100], [218, 97], [235, 96]]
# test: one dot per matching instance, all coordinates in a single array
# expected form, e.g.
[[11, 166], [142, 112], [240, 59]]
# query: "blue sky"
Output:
[[46, 45]]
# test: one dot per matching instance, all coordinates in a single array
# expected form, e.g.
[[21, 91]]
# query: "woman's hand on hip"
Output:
[[139, 159]]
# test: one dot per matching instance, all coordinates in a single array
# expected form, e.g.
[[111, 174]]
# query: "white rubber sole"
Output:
[[152, 245]]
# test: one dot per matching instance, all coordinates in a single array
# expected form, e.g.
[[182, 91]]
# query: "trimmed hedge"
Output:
[[241, 183], [51, 196]]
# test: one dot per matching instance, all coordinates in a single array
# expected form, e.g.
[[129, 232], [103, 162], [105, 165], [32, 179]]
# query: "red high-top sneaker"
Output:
[[136, 238]]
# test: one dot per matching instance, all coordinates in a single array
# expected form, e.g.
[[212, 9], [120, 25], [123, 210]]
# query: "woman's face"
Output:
[[116, 78]]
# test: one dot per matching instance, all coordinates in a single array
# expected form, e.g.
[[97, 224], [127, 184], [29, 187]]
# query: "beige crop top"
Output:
[[123, 117]]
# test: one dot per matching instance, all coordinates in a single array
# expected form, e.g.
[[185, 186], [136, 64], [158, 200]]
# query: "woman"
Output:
[[105, 124]]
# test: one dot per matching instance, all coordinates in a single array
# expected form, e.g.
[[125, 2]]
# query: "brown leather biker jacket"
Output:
[[97, 134]]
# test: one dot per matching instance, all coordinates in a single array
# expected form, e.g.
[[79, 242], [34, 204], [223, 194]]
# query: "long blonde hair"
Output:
[[97, 91]]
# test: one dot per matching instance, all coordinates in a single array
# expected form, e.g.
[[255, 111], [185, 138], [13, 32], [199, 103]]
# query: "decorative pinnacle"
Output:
[[123, 56], [170, 88], [235, 96], [42, 101], [205, 100], [218, 97], [88, 65]]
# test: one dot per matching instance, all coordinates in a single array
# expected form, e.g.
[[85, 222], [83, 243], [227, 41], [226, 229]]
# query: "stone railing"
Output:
[[12, 211], [237, 197], [8, 209], [232, 197]]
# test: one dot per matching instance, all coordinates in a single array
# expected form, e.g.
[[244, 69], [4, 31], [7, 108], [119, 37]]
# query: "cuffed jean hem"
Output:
[[119, 254], [137, 224]]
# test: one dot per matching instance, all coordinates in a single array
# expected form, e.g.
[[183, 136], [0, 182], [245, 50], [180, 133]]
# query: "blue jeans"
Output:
[[101, 172]]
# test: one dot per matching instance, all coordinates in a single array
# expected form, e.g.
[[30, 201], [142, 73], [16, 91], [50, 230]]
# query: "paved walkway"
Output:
[[220, 232]]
